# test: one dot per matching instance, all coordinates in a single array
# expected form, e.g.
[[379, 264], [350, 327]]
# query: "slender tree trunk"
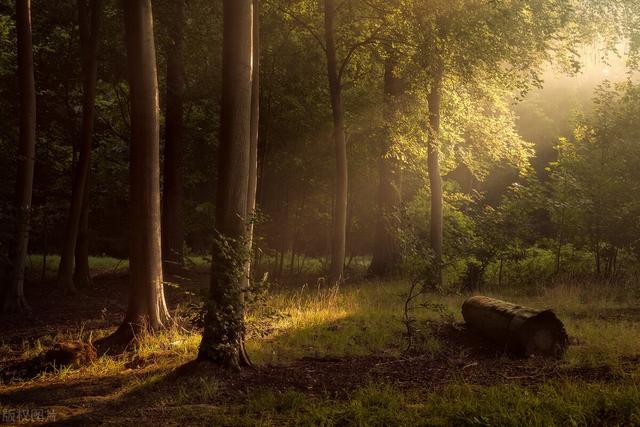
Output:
[[147, 308], [13, 298], [45, 243], [338, 240], [82, 275], [560, 242], [302, 259], [223, 336], [172, 200], [281, 260], [253, 142], [386, 249], [435, 178], [89, 19], [292, 258]]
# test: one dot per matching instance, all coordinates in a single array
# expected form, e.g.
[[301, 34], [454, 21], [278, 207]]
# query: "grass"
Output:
[[366, 318], [555, 404], [97, 264], [354, 320]]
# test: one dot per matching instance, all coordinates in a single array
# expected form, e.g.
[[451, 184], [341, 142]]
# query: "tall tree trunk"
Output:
[[172, 200], [82, 275], [386, 249], [253, 143], [89, 20], [223, 336], [147, 309], [13, 298], [435, 179], [338, 240]]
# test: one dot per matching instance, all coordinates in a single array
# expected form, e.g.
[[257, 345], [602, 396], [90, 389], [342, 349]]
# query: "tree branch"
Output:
[[354, 48], [302, 23]]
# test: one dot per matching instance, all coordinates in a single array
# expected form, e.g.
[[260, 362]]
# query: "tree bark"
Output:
[[82, 275], [172, 200], [147, 309], [13, 298], [223, 336], [253, 142], [338, 240], [435, 179], [521, 330], [89, 19], [386, 249]]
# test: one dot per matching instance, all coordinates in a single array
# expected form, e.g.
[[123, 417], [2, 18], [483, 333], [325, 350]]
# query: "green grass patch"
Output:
[[555, 404], [97, 264]]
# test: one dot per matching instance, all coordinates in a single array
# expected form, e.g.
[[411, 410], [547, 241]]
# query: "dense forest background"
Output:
[[537, 152]]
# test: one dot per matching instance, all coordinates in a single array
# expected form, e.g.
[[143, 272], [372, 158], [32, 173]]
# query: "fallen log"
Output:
[[523, 331]]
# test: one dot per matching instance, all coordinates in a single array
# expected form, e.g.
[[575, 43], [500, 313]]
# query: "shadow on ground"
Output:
[[198, 390]]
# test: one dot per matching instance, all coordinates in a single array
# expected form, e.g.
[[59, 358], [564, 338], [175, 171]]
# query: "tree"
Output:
[[473, 40], [89, 21], [338, 240], [147, 309], [223, 336], [13, 299], [591, 181], [386, 248], [253, 147], [436, 221], [172, 196], [81, 275]]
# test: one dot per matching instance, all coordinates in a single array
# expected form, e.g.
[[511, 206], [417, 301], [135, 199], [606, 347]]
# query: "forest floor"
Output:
[[325, 356]]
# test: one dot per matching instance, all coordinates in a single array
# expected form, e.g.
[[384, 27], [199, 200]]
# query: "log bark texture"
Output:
[[523, 331]]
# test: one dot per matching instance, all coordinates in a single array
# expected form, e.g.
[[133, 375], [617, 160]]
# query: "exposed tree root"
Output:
[[67, 286], [245, 361], [120, 341]]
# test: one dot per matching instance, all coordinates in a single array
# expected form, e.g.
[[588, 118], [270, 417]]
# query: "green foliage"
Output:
[[224, 325], [594, 175]]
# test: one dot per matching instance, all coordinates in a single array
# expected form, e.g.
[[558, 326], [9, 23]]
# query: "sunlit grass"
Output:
[[332, 322], [173, 342], [365, 319]]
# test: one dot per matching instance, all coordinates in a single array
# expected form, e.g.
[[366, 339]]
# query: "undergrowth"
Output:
[[366, 319]]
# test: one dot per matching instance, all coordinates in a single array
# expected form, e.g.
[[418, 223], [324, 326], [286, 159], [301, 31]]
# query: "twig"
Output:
[[410, 359]]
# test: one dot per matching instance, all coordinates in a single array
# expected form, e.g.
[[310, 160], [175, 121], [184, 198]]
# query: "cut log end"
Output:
[[521, 330], [542, 334]]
